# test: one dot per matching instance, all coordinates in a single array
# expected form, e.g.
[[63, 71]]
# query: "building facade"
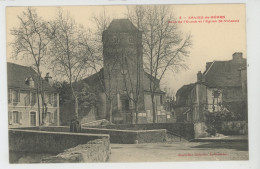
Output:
[[23, 98], [223, 85]]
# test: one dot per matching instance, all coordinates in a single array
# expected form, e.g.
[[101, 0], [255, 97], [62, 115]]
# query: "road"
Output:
[[179, 151]]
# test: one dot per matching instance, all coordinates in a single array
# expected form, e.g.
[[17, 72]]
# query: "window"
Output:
[[16, 96], [55, 99], [33, 118], [10, 96], [27, 99], [125, 104], [10, 117], [31, 82], [216, 93], [16, 117], [33, 100], [161, 99], [49, 117], [115, 40], [48, 98]]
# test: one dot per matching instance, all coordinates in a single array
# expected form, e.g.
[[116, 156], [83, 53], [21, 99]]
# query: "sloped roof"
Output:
[[17, 75], [121, 25], [224, 73], [150, 77], [95, 80], [185, 89]]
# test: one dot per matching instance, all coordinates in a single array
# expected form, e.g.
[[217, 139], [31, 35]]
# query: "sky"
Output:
[[211, 41]]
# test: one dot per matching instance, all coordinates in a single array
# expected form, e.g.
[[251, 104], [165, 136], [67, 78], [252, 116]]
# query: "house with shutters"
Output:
[[223, 85], [23, 98]]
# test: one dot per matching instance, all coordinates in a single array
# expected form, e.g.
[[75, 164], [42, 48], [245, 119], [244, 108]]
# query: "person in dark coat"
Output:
[[75, 125]]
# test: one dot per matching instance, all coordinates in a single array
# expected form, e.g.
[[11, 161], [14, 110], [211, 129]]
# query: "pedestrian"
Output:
[[75, 125]]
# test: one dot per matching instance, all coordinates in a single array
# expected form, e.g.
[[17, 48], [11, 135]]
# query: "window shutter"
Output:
[[10, 117], [18, 95], [52, 117], [10, 96], [52, 100], [13, 96], [29, 98], [20, 116]]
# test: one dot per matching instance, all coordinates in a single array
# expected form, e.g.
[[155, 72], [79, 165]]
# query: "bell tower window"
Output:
[[115, 40]]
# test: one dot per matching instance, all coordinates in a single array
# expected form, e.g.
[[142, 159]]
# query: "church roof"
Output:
[[96, 80], [147, 79], [121, 25]]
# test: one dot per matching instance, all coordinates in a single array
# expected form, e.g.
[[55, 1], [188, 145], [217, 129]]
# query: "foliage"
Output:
[[87, 96], [228, 112], [63, 88]]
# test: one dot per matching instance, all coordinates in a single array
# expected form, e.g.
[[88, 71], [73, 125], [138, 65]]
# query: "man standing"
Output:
[[75, 125]]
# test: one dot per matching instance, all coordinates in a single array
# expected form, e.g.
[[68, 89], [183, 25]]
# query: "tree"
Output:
[[31, 41], [63, 88], [165, 48], [101, 23], [69, 50], [131, 81]]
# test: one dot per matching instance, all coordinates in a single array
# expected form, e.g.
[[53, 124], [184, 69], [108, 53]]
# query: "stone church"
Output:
[[123, 79]]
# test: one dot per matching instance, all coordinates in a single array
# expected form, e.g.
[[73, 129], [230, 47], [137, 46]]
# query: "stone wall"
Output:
[[130, 136], [94, 151], [200, 130], [234, 127], [186, 130], [48, 142], [116, 135]]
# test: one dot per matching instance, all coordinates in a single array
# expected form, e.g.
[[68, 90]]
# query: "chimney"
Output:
[[48, 78], [237, 56], [200, 77]]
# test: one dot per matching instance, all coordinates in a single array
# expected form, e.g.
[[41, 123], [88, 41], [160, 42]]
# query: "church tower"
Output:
[[123, 65]]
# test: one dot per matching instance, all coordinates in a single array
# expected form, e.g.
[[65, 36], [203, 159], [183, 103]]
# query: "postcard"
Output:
[[128, 83]]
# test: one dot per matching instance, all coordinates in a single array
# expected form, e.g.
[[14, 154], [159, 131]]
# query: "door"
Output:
[[33, 118]]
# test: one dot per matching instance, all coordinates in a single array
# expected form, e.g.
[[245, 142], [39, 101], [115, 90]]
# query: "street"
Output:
[[179, 151]]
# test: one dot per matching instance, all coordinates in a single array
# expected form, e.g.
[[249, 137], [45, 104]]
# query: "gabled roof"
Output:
[[121, 25], [96, 80], [224, 73], [17, 75], [185, 89], [149, 77]]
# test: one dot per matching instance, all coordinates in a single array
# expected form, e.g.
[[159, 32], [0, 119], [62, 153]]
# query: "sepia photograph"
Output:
[[127, 83]]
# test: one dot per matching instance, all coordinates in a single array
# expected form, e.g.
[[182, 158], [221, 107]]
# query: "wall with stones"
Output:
[[200, 130], [234, 127], [47, 142], [94, 151], [130, 136], [121, 136], [186, 130]]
